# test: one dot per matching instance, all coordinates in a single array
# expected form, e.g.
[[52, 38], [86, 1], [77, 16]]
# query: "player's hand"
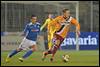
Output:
[[40, 29]]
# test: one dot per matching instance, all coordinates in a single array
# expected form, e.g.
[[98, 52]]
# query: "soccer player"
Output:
[[62, 25], [31, 31], [50, 32]]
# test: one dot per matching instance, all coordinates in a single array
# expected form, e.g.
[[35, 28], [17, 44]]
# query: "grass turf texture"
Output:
[[77, 58]]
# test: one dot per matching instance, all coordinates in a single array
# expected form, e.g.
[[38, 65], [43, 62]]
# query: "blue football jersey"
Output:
[[32, 30]]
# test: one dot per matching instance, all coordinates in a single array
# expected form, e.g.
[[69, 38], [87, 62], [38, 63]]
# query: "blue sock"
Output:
[[13, 53], [28, 53]]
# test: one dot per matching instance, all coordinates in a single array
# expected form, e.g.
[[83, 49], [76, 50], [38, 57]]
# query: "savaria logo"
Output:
[[81, 41]]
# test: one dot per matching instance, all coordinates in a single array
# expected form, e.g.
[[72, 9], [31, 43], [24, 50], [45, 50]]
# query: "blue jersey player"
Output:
[[29, 42]]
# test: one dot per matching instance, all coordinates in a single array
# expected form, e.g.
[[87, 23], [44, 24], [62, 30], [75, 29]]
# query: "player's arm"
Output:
[[76, 23], [38, 27], [53, 23], [25, 31], [26, 28], [45, 24]]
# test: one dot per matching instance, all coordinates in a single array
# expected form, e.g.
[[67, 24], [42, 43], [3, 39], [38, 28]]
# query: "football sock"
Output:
[[49, 52], [28, 53], [13, 53], [54, 49]]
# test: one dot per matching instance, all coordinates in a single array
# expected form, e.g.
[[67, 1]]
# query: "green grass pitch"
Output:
[[77, 58]]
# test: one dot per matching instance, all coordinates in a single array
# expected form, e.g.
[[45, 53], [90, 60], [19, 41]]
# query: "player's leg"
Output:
[[51, 37], [54, 49], [57, 42], [47, 52], [49, 40], [29, 52], [21, 46], [33, 47], [12, 54]]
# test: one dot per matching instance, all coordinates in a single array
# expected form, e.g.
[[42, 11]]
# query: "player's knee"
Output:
[[18, 49], [33, 49]]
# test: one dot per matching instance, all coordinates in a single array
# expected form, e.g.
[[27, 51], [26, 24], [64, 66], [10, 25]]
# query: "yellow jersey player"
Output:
[[50, 32], [62, 25]]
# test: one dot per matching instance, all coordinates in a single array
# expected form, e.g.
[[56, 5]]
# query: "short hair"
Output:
[[64, 10], [33, 15]]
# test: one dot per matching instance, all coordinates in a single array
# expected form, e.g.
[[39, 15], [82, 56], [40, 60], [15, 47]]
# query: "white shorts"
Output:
[[25, 44]]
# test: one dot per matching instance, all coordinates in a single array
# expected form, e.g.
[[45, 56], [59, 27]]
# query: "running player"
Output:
[[62, 25], [31, 31], [50, 32]]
